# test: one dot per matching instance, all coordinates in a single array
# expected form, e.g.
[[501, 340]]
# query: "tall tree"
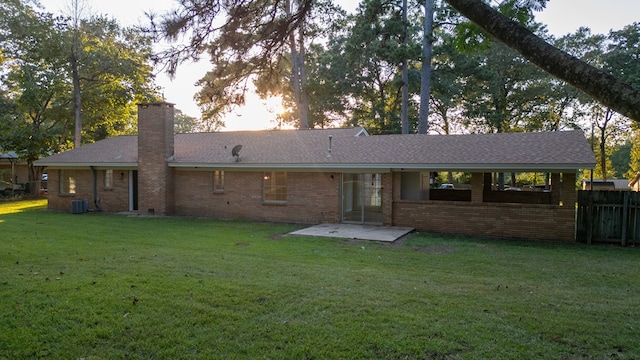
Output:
[[115, 74], [374, 52], [448, 79], [425, 73], [404, 107], [622, 57], [601, 85], [75, 53], [565, 106], [34, 83], [503, 92], [634, 161], [244, 39], [325, 21], [184, 123], [37, 81]]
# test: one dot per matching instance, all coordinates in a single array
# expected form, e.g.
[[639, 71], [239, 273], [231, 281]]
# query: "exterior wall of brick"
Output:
[[314, 197], [525, 221], [114, 199], [500, 220], [83, 188], [477, 187], [568, 193], [155, 148], [387, 195], [311, 197]]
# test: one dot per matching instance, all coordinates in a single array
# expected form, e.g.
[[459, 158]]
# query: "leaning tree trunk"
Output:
[[601, 86]]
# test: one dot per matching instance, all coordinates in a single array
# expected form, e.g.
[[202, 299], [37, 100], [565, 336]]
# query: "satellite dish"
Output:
[[236, 152]]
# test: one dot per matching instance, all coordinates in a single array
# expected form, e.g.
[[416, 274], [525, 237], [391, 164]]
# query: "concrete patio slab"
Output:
[[354, 231]]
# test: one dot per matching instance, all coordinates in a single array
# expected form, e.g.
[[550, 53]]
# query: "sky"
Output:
[[561, 17]]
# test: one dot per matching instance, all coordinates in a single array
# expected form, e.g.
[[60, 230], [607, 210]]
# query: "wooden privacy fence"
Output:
[[608, 216]]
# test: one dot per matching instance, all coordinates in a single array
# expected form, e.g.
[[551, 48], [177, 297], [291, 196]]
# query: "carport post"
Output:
[[477, 187]]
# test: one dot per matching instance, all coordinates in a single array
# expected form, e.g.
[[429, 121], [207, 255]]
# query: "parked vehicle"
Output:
[[5, 189]]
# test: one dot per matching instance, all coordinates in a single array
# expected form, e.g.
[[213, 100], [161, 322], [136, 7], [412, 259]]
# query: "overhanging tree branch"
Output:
[[602, 86]]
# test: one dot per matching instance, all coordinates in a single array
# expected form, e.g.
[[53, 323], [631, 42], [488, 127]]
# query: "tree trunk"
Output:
[[77, 105], [296, 73], [603, 143], [601, 86], [75, 75], [304, 95], [404, 113], [425, 74]]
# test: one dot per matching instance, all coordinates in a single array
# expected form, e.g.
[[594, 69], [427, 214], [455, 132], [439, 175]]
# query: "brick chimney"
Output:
[[155, 150]]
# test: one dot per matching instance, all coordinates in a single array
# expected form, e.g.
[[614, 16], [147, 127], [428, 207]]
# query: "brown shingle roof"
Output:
[[307, 149], [115, 151]]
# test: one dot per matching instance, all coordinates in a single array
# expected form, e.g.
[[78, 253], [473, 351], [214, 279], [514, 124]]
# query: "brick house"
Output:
[[327, 176]]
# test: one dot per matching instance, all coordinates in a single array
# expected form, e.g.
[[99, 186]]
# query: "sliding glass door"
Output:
[[362, 198]]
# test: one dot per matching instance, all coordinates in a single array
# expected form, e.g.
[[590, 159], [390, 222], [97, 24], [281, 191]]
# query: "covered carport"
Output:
[[8, 178]]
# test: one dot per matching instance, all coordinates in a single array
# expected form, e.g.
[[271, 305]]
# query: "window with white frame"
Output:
[[218, 181], [274, 187]]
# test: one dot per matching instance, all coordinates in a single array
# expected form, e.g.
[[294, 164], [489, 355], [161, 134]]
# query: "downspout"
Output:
[[94, 173]]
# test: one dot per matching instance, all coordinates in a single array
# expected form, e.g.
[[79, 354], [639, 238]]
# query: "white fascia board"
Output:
[[493, 167], [386, 167]]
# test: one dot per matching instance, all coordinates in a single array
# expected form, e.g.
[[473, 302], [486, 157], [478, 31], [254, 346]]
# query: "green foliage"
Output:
[[115, 75], [634, 155], [255, 40], [470, 37], [352, 65], [34, 83], [361, 67], [184, 123], [504, 92], [114, 72], [129, 287], [621, 159], [623, 54], [499, 90], [598, 170]]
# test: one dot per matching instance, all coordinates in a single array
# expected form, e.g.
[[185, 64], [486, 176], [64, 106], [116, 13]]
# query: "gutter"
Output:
[[335, 167], [386, 167], [96, 200]]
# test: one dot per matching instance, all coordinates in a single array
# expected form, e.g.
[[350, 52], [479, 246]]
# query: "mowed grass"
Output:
[[98, 286]]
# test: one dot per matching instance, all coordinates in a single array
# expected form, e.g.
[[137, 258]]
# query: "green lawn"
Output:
[[98, 286]]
